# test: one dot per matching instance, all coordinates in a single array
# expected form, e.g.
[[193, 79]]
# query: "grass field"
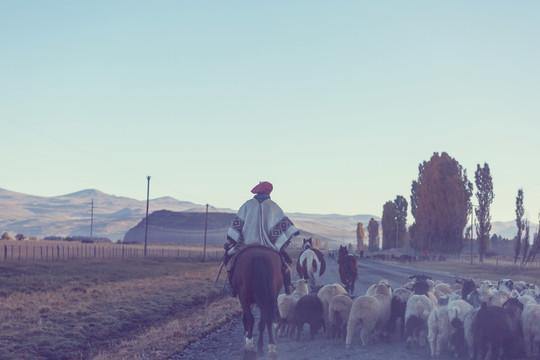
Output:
[[106, 308], [141, 308]]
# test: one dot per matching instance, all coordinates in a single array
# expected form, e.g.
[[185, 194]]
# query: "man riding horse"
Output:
[[261, 221]]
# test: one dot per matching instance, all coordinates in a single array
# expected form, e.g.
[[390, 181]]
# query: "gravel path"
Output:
[[227, 342]]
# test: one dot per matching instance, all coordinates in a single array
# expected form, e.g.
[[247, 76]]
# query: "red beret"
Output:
[[263, 187]]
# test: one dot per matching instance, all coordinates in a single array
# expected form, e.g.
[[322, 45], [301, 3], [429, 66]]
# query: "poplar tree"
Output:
[[389, 225], [520, 211], [484, 195], [373, 230], [401, 218]]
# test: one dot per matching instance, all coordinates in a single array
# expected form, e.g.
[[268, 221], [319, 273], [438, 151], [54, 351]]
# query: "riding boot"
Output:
[[286, 271], [229, 288]]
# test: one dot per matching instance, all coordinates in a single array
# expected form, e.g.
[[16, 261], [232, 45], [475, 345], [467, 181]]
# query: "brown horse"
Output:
[[348, 269], [257, 279]]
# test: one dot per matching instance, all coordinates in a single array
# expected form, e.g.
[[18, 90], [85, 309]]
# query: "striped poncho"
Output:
[[260, 221]]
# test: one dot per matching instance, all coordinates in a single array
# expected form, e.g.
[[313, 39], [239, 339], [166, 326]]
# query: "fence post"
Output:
[[5, 252]]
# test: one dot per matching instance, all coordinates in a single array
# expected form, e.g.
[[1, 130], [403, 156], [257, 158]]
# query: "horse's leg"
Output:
[[248, 320], [262, 326], [272, 351]]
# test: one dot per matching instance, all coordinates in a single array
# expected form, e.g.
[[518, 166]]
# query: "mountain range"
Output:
[[110, 216]]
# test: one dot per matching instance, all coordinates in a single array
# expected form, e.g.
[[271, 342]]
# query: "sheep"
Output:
[[372, 312], [286, 307], [467, 287], [416, 314], [309, 309], [457, 312], [500, 327], [397, 310], [339, 311], [530, 323], [442, 289], [482, 294], [326, 293], [371, 290], [438, 327], [423, 285], [506, 285], [498, 298]]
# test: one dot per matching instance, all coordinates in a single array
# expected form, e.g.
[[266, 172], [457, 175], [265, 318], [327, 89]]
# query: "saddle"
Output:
[[285, 268]]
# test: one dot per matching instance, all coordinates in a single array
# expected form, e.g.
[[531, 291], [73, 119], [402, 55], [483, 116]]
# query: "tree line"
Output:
[[441, 204]]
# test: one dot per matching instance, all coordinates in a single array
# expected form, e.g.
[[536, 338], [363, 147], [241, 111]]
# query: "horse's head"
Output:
[[307, 244], [343, 250]]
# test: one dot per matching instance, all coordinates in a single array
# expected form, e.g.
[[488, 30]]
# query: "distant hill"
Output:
[[70, 215], [115, 216], [166, 226]]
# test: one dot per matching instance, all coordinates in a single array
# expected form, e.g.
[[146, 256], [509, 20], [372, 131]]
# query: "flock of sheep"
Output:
[[467, 318]]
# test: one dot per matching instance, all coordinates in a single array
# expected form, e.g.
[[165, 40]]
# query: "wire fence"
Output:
[[14, 252]]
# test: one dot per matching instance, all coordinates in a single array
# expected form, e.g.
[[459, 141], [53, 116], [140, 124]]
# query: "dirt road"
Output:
[[227, 342]]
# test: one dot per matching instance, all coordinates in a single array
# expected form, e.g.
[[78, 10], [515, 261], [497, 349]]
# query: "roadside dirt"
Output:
[[228, 341]]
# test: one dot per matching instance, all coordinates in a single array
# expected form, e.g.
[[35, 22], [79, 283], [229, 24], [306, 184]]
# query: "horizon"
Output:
[[532, 225], [336, 104]]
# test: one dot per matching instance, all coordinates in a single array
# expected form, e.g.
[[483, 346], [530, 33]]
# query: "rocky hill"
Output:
[[166, 226]]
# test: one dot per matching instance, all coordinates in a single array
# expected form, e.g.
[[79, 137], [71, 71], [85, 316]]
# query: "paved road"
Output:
[[227, 342]]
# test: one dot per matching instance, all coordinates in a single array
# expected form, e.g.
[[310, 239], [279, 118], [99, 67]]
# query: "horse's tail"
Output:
[[263, 291]]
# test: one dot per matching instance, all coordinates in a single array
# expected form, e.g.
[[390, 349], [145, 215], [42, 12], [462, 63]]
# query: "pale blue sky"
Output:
[[334, 102]]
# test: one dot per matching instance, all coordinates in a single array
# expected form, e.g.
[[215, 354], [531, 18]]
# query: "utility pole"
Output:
[[205, 227], [147, 203], [397, 232], [472, 231], [91, 219]]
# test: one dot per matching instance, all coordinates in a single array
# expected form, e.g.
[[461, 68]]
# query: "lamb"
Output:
[[339, 311], [309, 309], [372, 312], [287, 305], [397, 310], [416, 314], [326, 293], [439, 327]]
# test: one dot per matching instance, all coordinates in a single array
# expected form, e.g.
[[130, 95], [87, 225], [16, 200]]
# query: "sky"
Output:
[[334, 102]]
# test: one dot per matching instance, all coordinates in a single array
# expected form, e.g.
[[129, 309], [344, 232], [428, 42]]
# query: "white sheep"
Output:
[[371, 290], [287, 305], [498, 298], [530, 322], [339, 311], [442, 289], [372, 312], [438, 328], [416, 315], [467, 330], [326, 293]]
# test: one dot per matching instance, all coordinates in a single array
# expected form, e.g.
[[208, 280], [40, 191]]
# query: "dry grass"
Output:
[[83, 308]]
